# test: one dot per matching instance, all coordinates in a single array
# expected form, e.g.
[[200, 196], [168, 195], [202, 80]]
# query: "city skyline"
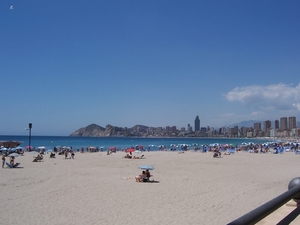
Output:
[[254, 130], [67, 64]]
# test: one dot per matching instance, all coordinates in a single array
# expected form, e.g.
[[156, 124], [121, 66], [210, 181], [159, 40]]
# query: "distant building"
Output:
[[173, 129], [168, 129], [267, 126], [159, 129], [276, 124], [292, 122], [203, 129], [235, 131], [283, 123], [197, 124], [189, 128], [257, 126], [273, 132]]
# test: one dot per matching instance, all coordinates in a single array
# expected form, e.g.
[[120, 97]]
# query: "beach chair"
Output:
[[151, 178], [232, 151], [297, 152], [281, 151]]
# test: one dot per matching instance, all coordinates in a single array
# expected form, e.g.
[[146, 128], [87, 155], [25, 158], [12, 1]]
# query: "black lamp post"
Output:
[[29, 138]]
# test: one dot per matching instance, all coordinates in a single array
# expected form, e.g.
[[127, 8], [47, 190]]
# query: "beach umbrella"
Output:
[[50, 150], [41, 147], [130, 150], [13, 154], [112, 148], [146, 167]]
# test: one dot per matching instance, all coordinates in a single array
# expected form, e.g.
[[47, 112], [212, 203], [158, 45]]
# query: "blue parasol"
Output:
[[146, 167]]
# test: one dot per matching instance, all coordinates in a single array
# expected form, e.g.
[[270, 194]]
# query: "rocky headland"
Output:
[[94, 130]]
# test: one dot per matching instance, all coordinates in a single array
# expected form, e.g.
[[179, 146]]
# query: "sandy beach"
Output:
[[95, 188]]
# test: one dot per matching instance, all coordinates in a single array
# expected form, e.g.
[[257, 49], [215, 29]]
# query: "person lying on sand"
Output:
[[38, 158], [217, 154], [137, 157], [128, 156]]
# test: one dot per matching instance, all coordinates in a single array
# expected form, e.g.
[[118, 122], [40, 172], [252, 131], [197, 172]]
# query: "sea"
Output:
[[49, 142]]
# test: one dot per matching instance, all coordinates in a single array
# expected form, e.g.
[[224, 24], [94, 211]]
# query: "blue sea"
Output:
[[119, 142]]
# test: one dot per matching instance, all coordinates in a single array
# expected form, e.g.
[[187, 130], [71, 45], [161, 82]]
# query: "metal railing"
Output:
[[264, 210]]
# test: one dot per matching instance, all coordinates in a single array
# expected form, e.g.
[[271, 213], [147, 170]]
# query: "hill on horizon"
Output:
[[248, 123]]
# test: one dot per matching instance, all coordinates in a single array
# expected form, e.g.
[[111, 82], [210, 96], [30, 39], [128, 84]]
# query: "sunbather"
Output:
[[38, 158], [13, 166], [137, 157], [128, 156], [141, 177]]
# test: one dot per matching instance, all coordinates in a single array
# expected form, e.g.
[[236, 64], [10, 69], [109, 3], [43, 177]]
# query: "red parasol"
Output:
[[130, 150]]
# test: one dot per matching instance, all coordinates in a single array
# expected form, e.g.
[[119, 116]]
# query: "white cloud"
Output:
[[272, 97]]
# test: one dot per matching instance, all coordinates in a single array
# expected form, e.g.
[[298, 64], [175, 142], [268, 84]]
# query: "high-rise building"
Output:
[[173, 129], [197, 123], [292, 122], [235, 131], [276, 124], [189, 128], [283, 123], [167, 129], [267, 126], [257, 126]]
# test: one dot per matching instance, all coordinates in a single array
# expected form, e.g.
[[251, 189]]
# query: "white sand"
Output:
[[95, 188]]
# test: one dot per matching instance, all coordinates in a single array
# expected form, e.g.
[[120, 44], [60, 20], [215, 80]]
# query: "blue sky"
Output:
[[67, 64]]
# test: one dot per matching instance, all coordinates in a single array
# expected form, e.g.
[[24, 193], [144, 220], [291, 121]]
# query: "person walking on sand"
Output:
[[66, 154], [3, 161]]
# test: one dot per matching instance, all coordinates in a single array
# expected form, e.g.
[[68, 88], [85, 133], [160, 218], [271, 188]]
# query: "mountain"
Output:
[[248, 123], [94, 130]]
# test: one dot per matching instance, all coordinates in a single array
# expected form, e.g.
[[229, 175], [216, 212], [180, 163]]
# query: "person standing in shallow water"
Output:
[[3, 161]]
